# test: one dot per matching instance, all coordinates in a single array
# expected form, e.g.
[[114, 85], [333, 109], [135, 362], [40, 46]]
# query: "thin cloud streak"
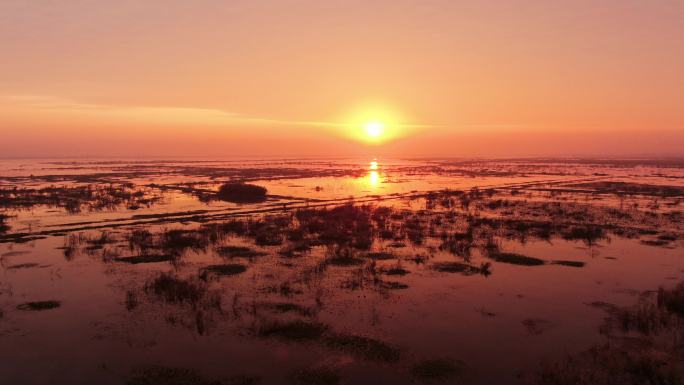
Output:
[[164, 113]]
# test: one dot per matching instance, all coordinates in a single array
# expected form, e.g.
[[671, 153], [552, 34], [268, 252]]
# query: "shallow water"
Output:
[[499, 321]]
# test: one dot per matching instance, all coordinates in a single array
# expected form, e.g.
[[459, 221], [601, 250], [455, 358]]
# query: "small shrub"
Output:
[[241, 193]]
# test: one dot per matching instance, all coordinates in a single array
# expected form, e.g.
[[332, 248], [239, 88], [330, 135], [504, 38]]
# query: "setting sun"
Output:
[[375, 123], [374, 129]]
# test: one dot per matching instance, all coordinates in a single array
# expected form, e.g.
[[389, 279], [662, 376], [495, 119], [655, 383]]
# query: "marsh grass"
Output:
[[569, 263], [173, 289], [626, 188], [590, 234], [345, 225], [222, 270], [395, 270], [461, 268], [380, 255], [238, 252], [517, 259], [345, 261], [644, 347], [178, 241], [392, 285], [342, 256], [672, 300], [23, 266], [610, 364], [91, 197], [39, 305], [151, 258], [655, 242], [4, 227], [295, 249]]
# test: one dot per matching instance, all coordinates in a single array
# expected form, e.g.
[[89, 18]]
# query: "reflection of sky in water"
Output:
[[373, 177], [369, 176], [453, 320]]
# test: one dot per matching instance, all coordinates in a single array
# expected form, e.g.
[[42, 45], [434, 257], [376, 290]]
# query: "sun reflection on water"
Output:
[[373, 177]]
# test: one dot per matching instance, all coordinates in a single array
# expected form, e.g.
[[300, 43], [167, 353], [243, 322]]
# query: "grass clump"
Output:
[[238, 252], [175, 290], [345, 261], [392, 285], [436, 370], [655, 242], [517, 259], [268, 236], [151, 258], [396, 270], [569, 263], [241, 193], [28, 265], [380, 255], [644, 348], [462, 268], [39, 305], [347, 225], [223, 270], [3, 226], [611, 365], [364, 347], [672, 300]]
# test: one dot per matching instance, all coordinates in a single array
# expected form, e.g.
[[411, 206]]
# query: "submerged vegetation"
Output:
[[338, 277], [177, 290], [643, 346], [221, 270], [39, 305], [75, 199], [517, 259], [4, 227], [626, 188]]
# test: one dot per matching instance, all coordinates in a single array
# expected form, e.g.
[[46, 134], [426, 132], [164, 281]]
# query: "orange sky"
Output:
[[299, 78]]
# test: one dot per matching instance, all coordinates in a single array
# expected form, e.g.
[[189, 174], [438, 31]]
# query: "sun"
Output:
[[374, 129], [373, 125]]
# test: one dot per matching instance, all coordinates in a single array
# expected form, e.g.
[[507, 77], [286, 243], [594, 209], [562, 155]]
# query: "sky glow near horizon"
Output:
[[308, 78]]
